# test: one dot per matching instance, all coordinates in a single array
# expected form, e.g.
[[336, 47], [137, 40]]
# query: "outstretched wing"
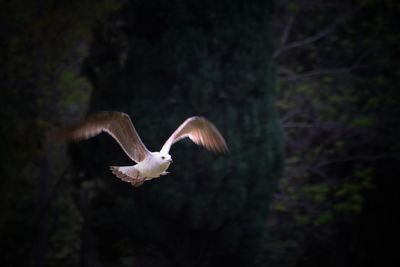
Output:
[[200, 131], [117, 124]]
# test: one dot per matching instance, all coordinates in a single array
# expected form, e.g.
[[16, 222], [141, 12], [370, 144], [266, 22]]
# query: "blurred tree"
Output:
[[42, 46], [338, 96], [162, 62]]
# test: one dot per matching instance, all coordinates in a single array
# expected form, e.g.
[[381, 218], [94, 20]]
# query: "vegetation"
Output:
[[211, 209], [323, 71], [338, 100], [42, 47]]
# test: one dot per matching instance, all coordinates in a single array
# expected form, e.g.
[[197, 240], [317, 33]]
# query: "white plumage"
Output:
[[149, 164]]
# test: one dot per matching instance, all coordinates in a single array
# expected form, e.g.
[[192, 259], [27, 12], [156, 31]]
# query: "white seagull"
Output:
[[149, 164]]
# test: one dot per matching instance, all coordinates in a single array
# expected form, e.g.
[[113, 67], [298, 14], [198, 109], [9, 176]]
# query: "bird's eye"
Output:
[[163, 157]]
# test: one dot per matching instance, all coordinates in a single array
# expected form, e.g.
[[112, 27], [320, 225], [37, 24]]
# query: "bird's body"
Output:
[[149, 164], [153, 166]]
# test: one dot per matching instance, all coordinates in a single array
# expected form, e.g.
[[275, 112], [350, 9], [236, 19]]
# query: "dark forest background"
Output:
[[305, 92]]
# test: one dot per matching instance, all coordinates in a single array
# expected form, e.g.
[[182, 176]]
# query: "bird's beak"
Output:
[[170, 161]]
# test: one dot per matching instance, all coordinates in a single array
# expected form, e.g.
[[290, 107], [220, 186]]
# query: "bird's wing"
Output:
[[200, 131], [117, 124]]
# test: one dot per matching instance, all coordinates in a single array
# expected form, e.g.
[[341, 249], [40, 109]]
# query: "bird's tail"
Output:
[[128, 174]]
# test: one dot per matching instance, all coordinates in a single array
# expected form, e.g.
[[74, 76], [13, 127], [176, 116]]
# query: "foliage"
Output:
[[337, 91], [212, 59], [42, 46], [338, 98]]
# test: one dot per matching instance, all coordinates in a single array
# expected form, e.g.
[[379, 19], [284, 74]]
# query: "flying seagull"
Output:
[[148, 165]]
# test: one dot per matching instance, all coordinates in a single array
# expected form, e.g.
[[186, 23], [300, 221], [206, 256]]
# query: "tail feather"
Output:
[[128, 174]]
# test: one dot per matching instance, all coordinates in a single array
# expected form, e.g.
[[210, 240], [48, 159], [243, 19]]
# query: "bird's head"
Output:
[[163, 157]]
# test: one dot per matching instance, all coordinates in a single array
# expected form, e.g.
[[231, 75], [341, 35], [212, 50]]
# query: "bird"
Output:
[[149, 165]]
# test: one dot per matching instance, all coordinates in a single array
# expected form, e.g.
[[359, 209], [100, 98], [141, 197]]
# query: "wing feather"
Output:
[[201, 132], [116, 124]]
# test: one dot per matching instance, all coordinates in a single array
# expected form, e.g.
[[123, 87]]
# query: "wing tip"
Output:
[[221, 149], [216, 141]]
